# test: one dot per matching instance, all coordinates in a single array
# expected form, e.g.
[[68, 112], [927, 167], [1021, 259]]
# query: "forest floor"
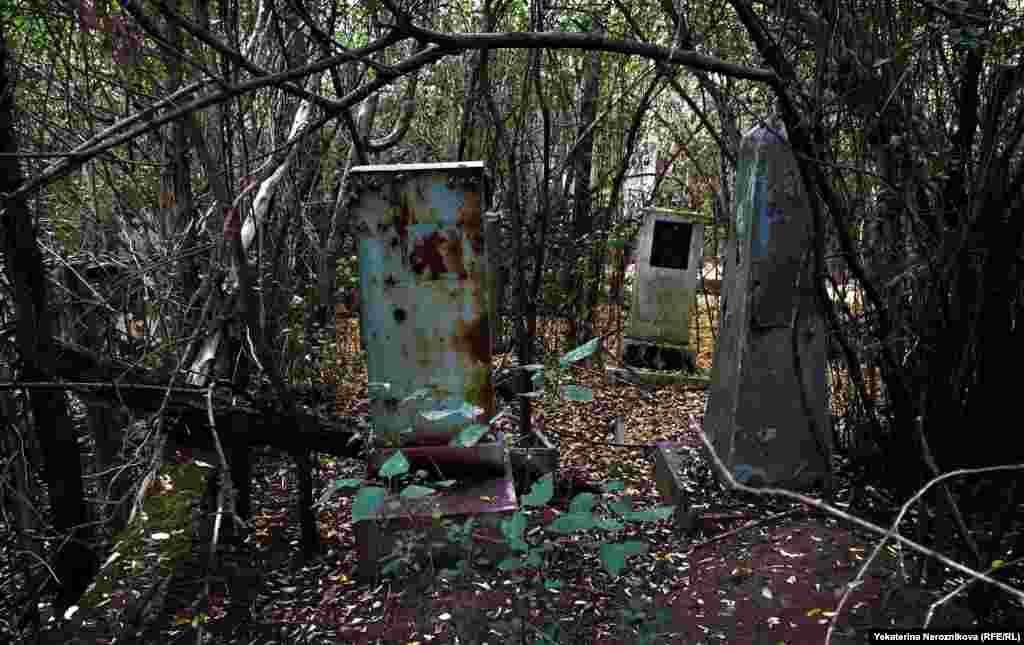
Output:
[[777, 581], [755, 570]]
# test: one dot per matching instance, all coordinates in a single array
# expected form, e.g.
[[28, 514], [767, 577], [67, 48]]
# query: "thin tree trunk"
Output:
[[74, 563], [582, 218]]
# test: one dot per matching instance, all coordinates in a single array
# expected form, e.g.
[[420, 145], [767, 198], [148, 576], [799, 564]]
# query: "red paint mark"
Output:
[[436, 254], [232, 224], [426, 256]]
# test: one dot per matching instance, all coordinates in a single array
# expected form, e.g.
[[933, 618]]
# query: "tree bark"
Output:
[[574, 283], [74, 561]]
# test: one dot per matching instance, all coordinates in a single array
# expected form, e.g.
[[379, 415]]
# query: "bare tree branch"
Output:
[[236, 57], [85, 152], [455, 43]]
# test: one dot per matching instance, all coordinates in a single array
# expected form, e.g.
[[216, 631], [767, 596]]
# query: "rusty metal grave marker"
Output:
[[427, 296]]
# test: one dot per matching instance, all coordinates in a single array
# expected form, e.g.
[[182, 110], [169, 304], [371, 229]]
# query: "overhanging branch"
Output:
[[590, 42]]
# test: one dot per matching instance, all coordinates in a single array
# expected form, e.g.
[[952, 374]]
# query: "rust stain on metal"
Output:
[[469, 218], [451, 252], [487, 395], [473, 338], [405, 218], [424, 273]]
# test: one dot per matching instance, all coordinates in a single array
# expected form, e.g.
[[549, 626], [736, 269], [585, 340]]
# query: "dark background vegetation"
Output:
[[135, 137]]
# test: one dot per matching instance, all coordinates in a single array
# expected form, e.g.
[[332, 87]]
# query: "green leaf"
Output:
[[413, 491], [351, 482], [510, 564], [552, 635], [541, 492], [367, 502], [455, 534], [396, 465], [614, 555], [614, 486], [469, 435], [459, 570], [463, 534], [609, 524], [576, 24], [391, 567], [582, 503], [581, 352], [571, 522], [448, 483], [552, 584], [623, 505], [513, 527], [652, 515], [533, 558], [577, 393]]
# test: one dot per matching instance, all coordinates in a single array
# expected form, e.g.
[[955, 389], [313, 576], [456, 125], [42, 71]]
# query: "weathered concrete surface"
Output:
[[665, 283], [633, 376], [425, 521], [533, 458], [755, 415], [668, 464]]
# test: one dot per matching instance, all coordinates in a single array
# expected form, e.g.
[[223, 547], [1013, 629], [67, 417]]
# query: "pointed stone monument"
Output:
[[763, 428]]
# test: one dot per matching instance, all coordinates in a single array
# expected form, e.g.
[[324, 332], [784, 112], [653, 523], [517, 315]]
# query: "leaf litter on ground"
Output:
[[743, 587]]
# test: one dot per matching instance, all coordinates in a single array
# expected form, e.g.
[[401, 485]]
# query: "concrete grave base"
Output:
[[426, 520], [641, 353], [669, 460], [652, 377], [534, 458]]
